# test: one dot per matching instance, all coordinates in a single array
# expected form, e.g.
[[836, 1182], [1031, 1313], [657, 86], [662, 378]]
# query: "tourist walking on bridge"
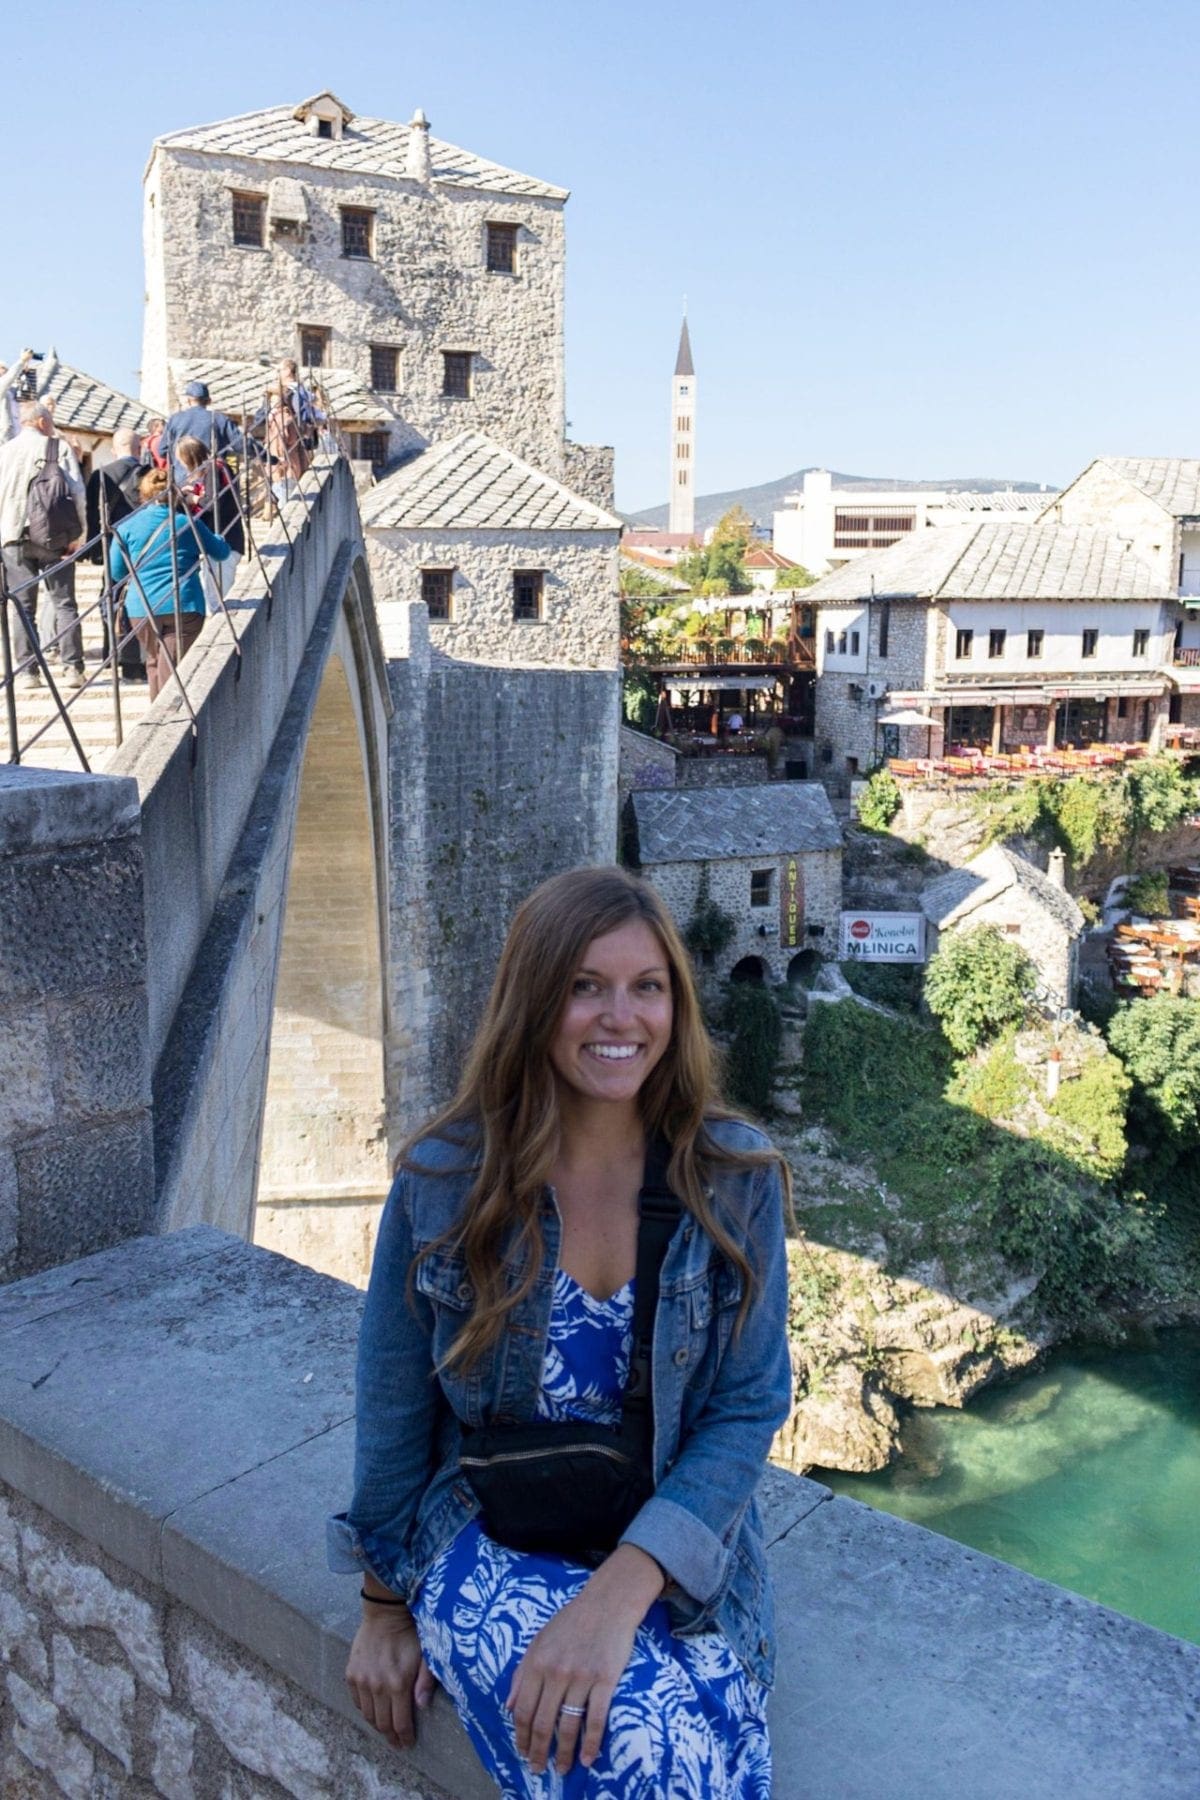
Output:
[[572, 1363], [41, 522], [142, 551]]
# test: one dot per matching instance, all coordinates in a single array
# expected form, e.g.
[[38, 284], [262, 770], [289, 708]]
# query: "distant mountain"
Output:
[[760, 502]]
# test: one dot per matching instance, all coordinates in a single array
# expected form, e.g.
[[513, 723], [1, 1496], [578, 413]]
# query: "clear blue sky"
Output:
[[926, 241]]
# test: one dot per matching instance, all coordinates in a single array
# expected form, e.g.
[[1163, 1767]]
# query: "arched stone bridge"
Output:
[[191, 965]]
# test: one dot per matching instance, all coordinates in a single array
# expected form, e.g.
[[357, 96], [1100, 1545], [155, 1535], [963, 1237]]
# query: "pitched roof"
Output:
[[1174, 481], [706, 824], [1006, 560], [235, 387], [81, 402], [683, 362], [366, 147], [950, 898], [761, 556], [472, 482]]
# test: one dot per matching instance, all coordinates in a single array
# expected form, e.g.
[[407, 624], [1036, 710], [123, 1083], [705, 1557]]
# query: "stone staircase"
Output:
[[90, 707]]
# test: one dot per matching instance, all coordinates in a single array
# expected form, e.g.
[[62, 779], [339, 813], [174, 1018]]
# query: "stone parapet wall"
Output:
[[721, 771], [74, 1026], [590, 470], [175, 1423]]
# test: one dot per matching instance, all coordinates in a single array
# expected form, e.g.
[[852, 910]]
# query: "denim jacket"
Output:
[[718, 1400]]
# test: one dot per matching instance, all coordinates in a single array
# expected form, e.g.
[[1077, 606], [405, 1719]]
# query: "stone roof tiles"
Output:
[[708, 824], [951, 897], [82, 403], [237, 387], [1174, 481], [1000, 560], [471, 482], [373, 147]]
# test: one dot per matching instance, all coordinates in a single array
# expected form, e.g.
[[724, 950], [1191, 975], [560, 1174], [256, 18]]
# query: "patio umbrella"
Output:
[[908, 715]]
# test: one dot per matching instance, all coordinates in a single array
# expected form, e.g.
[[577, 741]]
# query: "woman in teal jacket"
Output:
[[502, 1292], [141, 553]]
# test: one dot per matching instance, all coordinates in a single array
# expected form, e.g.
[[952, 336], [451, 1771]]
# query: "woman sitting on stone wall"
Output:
[[572, 1363]]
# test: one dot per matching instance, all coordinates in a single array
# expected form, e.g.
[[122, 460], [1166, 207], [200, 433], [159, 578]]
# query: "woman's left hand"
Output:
[[577, 1660]]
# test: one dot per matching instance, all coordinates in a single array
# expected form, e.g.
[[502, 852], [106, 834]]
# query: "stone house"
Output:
[[772, 856], [1002, 888], [999, 635], [422, 284], [86, 409], [513, 568], [1154, 502]]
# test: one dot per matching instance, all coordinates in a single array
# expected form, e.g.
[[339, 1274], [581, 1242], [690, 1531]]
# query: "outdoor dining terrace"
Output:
[[1161, 956], [969, 765]]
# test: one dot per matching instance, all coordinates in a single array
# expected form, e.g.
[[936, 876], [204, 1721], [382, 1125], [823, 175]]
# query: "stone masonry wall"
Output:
[[729, 885], [721, 771], [111, 1688], [1102, 496], [426, 290], [590, 470], [846, 722], [579, 627], [76, 1153], [1042, 938]]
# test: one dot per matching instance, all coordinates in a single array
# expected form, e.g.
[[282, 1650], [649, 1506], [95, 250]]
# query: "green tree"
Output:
[[977, 983], [710, 928], [640, 583], [880, 801], [1158, 1040], [794, 578], [752, 1016], [723, 558]]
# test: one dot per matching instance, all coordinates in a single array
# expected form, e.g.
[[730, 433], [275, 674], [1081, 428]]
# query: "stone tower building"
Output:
[[683, 439], [423, 282]]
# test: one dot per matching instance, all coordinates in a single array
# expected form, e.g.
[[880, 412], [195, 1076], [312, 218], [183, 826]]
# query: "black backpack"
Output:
[[51, 515]]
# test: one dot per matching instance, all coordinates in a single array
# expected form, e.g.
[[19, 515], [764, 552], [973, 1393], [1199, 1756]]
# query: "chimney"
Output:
[[1056, 868], [1053, 1073], [418, 146]]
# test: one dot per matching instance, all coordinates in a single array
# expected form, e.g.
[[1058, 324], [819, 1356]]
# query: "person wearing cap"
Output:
[[215, 430]]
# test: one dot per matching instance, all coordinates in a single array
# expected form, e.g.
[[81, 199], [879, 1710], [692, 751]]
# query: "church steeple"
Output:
[[682, 502]]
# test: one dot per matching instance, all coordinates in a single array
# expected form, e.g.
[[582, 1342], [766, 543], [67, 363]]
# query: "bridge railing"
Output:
[[253, 499]]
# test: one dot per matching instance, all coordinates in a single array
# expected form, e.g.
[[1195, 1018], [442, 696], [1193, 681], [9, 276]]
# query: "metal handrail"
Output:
[[107, 605]]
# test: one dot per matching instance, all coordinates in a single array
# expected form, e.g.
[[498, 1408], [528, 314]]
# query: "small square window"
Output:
[[963, 641], [314, 346], [369, 446], [996, 642], [385, 368], [1141, 642], [1089, 642], [325, 128], [1033, 644], [502, 249], [358, 233], [437, 586], [760, 886], [456, 374], [527, 594], [1012, 931], [249, 221]]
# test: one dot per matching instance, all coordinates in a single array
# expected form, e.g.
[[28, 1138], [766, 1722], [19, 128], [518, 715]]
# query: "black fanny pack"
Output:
[[574, 1488]]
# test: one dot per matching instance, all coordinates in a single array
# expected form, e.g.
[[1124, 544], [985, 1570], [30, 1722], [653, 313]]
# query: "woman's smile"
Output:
[[617, 1020]]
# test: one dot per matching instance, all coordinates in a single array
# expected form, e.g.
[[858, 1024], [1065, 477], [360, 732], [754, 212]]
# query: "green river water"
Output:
[[1087, 1474]]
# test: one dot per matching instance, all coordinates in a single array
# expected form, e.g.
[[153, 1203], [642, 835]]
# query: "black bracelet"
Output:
[[378, 1600]]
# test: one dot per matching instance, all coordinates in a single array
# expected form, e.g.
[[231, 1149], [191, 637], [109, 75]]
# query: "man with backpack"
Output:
[[41, 521]]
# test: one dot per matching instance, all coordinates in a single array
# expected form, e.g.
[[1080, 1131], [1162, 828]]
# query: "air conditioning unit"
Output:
[[876, 690]]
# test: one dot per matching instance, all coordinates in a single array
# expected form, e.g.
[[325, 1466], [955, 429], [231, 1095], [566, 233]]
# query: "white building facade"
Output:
[[824, 527]]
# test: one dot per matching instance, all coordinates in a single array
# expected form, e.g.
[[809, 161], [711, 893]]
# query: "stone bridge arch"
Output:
[[323, 1164]]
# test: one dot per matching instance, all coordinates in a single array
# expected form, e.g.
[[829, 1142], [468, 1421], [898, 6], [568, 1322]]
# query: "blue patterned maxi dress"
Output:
[[686, 1722]]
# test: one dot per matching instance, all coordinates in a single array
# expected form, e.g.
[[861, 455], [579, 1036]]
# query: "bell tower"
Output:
[[682, 507]]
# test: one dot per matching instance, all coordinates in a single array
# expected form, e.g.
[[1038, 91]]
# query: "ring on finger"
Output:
[[573, 1712]]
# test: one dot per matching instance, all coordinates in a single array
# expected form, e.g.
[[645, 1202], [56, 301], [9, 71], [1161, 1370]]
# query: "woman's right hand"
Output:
[[386, 1673]]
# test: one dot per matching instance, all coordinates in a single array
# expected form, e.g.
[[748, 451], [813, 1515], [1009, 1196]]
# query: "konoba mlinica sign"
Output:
[[890, 937]]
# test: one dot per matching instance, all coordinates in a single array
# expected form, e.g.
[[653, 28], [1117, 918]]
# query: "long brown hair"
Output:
[[505, 1113]]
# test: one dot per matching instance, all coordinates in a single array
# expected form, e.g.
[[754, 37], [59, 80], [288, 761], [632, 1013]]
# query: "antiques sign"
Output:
[[791, 904], [887, 937]]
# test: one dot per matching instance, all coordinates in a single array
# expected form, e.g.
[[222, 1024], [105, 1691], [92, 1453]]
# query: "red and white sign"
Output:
[[891, 937]]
